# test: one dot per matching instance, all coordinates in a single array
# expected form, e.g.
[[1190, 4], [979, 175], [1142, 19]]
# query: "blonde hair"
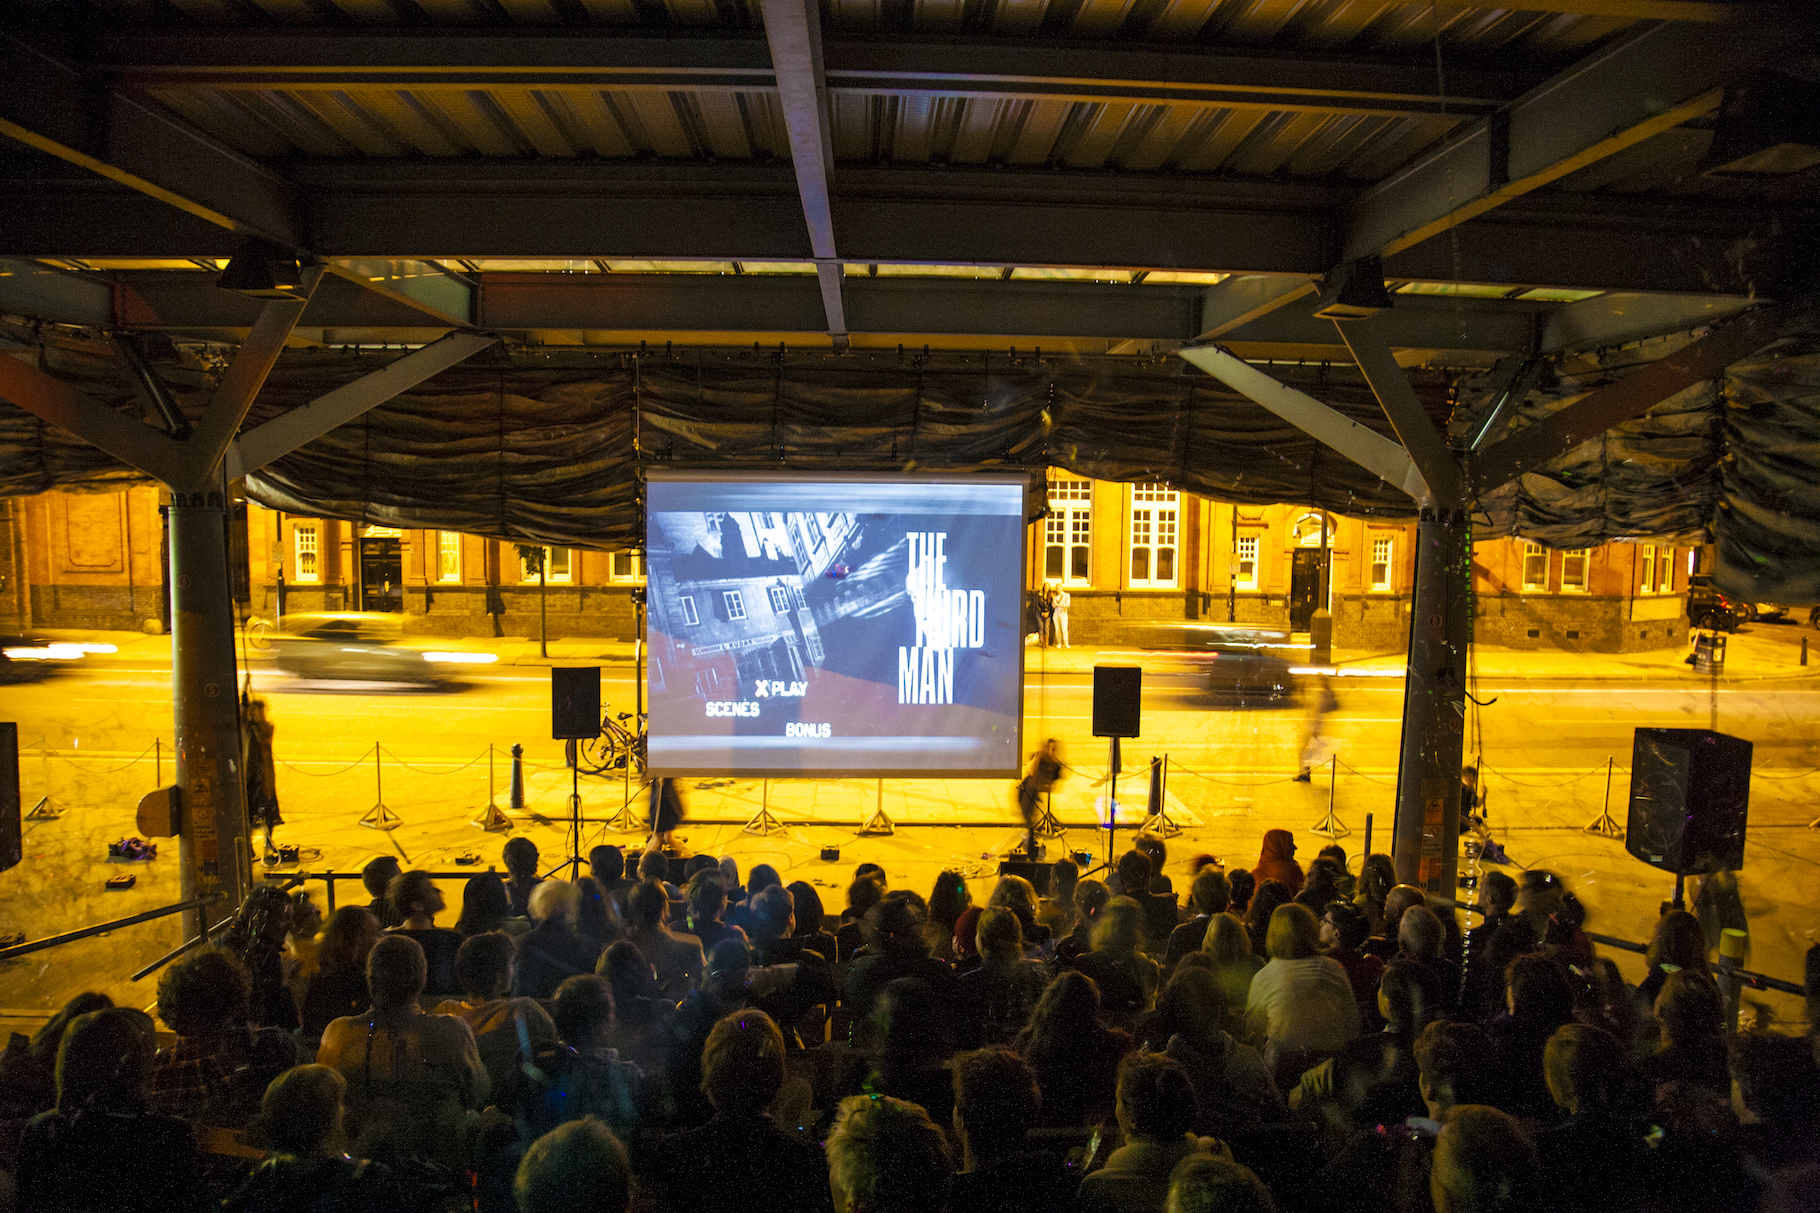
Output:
[[999, 934], [555, 899], [1013, 891], [1294, 934], [887, 1156], [1226, 939], [1115, 929]]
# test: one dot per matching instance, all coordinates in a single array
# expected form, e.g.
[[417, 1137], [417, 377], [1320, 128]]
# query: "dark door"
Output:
[[1304, 587], [381, 581]]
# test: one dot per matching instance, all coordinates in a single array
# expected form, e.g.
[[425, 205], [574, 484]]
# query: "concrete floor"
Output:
[[1544, 747]]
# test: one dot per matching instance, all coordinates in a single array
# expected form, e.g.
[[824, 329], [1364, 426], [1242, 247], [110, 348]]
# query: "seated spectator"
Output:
[[587, 1077], [1057, 911], [579, 1167], [1456, 1063], [740, 1159], [995, 1000], [552, 951], [1276, 861], [596, 921], [1228, 944], [1692, 1018], [1153, 846], [1157, 916], [1779, 1084], [1397, 902], [1480, 986], [304, 943], [510, 1033], [102, 1150], [707, 901], [1344, 930], [1157, 1112], [486, 906], [520, 857], [1346, 885], [654, 866], [1421, 938], [1483, 1163], [996, 1103], [1377, 877], [300, 1126], [217, 1071], [1090, 897], [1127, 978], [641, 1012], [849, 936], [607, 864], [1210, 1183], [377, 877], [339, 985], [1074, 1056], [256, 938], [948, 900], [1323, 886], [1208, 895], [915, 1043], [1018, 895], [1409, 999], [790, 978], [1264, 903], [764, 876], [418, 901], [1244, 887], [1301, 1003], [412, 1077], [1595, 1159], [1231, 1085], [887, 1156], [966, 939], [725, 989], [677, 959], [894, 948], [1698, 1152], [28, 1069], [1539, 897], [811, 920], [1540, 1000]]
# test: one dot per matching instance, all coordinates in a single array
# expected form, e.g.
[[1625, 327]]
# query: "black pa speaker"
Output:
[[1117, 700], [574, 702], [1689, 796], [1036, 873], [12, 846]]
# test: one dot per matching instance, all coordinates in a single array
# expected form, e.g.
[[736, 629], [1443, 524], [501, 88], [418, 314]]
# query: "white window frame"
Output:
[[552, 574], [1069, 529], [1646, 582], [1155, 529], [306, 541], [636, 561], [1665, 571], [1248, 552], [780, 600], [1383, 556], [691, 617], [1528, 552], [448, 544], [735, 602], [1584, 556]]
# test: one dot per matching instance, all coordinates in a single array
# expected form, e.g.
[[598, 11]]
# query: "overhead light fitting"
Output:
[[1354, 290], [1768, 127], [263, 274]]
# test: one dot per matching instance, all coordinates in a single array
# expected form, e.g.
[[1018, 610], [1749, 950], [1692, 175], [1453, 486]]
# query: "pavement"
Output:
[[1759, 652]]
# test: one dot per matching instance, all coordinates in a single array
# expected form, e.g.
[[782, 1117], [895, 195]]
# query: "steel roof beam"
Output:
[[793, 29]]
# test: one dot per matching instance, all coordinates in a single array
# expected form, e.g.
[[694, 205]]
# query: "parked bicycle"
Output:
[[617, 745]]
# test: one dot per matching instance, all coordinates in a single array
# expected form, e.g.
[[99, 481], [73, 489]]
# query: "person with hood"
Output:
[[1276, 861]]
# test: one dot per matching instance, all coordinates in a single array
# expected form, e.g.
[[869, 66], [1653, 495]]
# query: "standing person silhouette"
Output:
[[667, 813], [1059, 601], [1316, 748], [1040, 775]]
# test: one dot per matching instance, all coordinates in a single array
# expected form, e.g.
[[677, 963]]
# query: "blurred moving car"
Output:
[[1708, 608], [1766, 612], [1226, 664], [364, 645], [24, 658]]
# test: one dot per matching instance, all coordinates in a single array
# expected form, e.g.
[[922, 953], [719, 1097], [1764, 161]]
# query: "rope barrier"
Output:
[[360, 761], [421, 771], [1385, 783], [1175, 768], [1485, 768], [111, 770]]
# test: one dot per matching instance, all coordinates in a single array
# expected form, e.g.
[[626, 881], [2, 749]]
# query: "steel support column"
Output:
[[1425, 837]]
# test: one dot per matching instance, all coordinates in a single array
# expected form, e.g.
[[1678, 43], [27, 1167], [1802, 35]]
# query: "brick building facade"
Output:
[[1130, 555]]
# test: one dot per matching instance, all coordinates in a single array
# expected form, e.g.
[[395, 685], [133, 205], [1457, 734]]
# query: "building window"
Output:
[[736, 604], [1068, 532], [780, 600], [1381, 548], [1646, 584], [1247, 560], [802, 603], [1573, 570], [304, 540], [626, 565], [688, 609], [1154, 513], [1535, 567], [448, 555], [556, 566], [1665, 571]]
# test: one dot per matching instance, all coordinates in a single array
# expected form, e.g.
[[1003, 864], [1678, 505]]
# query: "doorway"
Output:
[[1305, 579], [381, 575]]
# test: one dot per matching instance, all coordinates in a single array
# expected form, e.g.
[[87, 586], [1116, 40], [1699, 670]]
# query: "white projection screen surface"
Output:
[[834, 625]]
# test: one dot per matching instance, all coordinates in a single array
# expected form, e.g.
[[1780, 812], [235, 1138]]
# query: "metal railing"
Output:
[[52, 941]]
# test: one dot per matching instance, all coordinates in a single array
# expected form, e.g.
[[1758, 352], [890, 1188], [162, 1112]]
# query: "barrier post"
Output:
[[44, 810], [518, 776], [379, 817], [1329, 825], [1731, 989], [491, 819]]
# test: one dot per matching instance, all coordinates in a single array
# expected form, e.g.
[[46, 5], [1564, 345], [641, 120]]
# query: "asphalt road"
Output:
[[1524, 725]]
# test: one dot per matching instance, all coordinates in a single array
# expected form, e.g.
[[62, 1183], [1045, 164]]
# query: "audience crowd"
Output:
[[667, 1038]]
